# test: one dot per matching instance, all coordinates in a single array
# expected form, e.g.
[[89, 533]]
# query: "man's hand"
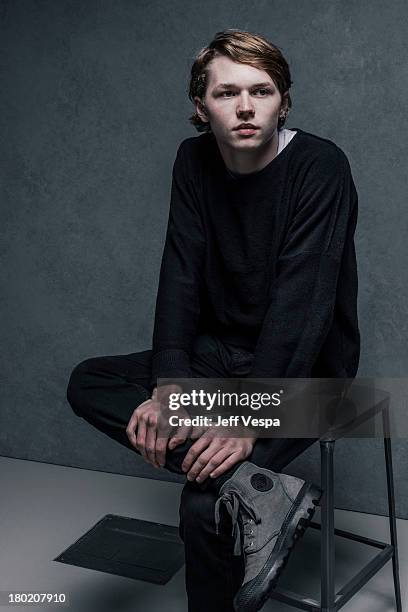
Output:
[[213, 454], [142, 433], [181, 433], [142, 429]]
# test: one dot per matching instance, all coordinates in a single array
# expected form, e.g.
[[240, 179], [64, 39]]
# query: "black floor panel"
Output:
[[128, 547]]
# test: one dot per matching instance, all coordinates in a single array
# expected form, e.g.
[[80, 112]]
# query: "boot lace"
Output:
[[234, 503]]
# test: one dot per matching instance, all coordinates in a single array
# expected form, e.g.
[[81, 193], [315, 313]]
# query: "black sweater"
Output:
[[264, 260]]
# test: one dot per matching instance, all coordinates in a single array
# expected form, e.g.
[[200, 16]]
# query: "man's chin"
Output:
[[247, 144]]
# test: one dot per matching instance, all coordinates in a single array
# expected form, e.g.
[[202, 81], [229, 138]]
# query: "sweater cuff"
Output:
[[170, 363]]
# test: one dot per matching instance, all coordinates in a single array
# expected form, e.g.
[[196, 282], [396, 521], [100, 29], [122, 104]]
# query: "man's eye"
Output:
[[262, 91], [227, 94]]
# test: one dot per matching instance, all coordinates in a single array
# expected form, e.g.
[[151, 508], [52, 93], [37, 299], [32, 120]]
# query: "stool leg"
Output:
[[327, 558], [391, 511]]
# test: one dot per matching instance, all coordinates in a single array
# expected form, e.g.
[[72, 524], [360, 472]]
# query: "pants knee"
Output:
[[76, 386]]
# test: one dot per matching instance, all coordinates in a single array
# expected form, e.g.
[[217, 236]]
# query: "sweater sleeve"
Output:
[[303, 293], [177, 302]]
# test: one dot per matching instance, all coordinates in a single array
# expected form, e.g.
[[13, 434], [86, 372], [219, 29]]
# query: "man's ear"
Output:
[[284, 103], [200, 109]]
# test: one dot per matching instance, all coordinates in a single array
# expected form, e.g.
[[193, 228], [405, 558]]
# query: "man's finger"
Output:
[[176, 442], [197, 432], [162, 438], [133, 424], [213, 462], [150, 445], [131, 429], [161, 446], [141, 437], [179, 437], [195, 450], [203, 459], [226, 464]]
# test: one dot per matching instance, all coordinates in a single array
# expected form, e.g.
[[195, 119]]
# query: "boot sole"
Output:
[[252, 596]]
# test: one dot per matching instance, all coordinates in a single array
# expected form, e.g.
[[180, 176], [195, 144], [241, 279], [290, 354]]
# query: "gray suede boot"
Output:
[[272, 511]]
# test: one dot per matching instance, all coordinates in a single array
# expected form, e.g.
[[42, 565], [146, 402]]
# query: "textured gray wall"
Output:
[[93, 106]]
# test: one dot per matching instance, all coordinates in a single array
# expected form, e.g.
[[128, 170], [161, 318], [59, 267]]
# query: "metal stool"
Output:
[[330, 600]]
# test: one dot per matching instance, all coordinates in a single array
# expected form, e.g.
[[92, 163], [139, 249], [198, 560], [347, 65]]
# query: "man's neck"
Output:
[[245, 162]]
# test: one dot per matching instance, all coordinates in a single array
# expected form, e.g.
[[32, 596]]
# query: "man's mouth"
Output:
[[246, 126], [246, 129]]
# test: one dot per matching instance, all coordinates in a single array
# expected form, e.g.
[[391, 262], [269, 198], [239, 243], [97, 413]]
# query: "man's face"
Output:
[[239, 94]]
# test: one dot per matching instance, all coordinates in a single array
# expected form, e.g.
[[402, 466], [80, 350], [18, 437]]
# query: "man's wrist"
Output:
[[161, 394]]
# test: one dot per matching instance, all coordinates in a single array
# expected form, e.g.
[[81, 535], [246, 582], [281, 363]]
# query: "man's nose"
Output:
[[245, 106]]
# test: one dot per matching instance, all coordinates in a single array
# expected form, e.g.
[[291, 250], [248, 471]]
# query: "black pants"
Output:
[[106, 390]]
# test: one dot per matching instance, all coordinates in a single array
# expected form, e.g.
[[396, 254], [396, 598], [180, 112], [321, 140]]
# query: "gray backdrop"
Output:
[[93, 107]]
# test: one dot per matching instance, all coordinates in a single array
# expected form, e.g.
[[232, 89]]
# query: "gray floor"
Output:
[[45, 508]]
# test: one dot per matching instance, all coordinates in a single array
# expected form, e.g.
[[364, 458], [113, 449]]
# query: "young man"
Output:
[[258, 279]]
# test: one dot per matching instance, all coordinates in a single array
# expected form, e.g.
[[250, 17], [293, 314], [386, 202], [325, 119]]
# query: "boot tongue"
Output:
[[232, 501]]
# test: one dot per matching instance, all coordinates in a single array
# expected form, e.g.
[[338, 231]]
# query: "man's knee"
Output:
[[76, 390]]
